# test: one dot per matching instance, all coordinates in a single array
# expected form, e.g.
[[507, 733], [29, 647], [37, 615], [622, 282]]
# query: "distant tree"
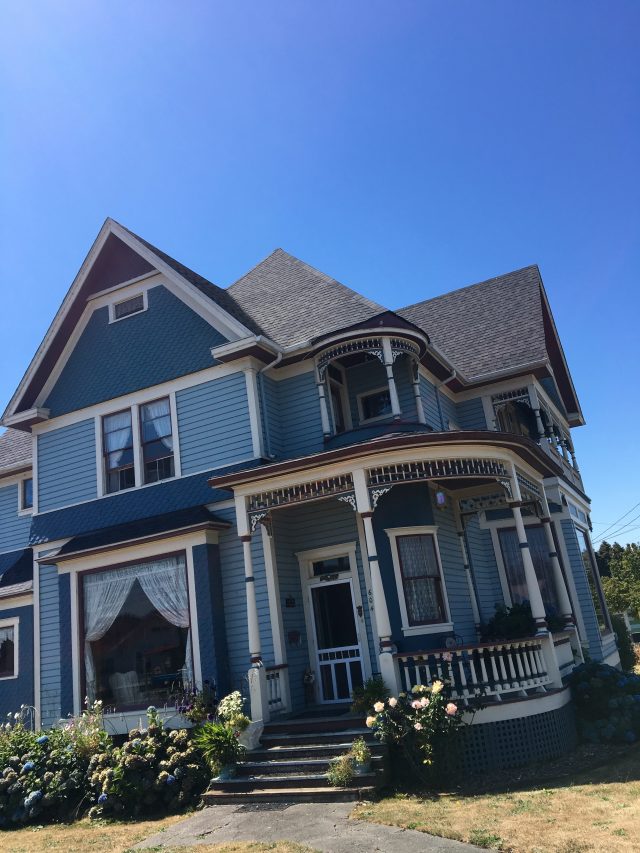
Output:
[[622, 585], [605, 554]]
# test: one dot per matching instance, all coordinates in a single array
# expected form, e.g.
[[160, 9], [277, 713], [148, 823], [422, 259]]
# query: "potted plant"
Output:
[[341, 771], [361, 755], [221, 749]]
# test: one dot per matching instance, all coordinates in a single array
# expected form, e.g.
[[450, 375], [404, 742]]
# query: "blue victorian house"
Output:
[[285, 488]]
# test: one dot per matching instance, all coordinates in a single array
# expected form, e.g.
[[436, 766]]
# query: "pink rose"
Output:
[[451, 709], [424, 702], [416, 704], [418, 727]]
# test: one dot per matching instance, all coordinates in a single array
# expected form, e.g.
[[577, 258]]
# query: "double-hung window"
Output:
[[419, 580], [138, 453], [8, 648]]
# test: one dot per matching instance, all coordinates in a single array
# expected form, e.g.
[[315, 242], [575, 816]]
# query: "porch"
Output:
[[369, 559]]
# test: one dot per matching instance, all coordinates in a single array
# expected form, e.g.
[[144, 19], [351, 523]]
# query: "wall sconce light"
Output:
[[441, 499]]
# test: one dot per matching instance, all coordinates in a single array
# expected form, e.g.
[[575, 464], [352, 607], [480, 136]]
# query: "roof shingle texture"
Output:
[[15, 448], [293, 302], [491, 326]]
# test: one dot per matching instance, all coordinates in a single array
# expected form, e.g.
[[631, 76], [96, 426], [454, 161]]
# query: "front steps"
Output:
[[292, 762]]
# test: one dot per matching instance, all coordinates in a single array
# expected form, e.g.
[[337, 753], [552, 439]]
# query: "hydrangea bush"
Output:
[[607, 703], [422, 725]]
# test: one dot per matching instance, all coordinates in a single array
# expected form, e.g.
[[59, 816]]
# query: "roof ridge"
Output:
[[471, 286]]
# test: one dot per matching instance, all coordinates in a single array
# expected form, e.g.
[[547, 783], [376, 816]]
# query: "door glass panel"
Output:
[[332, 565], [333, 614]]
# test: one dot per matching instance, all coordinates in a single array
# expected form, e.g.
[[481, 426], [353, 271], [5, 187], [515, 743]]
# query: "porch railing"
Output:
[[276, 687], [486, 670]]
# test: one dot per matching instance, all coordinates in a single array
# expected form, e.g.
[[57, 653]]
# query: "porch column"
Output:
[[324, 409], [393, 392], [257, 676], [388, 666], [415, 379], [467, 570], [535, 405], [564, 602], [533, 588]]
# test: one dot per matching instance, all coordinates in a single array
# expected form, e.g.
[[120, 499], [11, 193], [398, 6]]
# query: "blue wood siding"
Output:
[[14, 528], [15, 692], [235, 602], [303, 528], [67, 466], [213, 424], [471, 414], [430, 403], [66, 673], [371, 375], [299, 407], [211, 619], [112, 359], [576, 566], [485, 568], [51, 653], [411, 506], [271, 416]]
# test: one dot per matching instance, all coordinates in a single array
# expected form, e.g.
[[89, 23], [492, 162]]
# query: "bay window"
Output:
[[136, 633], [419, 579], [8, 648]]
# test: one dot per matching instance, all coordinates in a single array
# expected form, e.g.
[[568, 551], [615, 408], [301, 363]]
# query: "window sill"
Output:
[[436, 628], [9, 677]]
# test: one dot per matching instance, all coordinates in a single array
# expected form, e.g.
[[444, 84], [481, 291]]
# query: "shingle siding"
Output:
[[14, 528], [213, 424], [112, 359], [67, 471]]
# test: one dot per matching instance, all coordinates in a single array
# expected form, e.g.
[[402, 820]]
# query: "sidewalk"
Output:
[[321, 826]]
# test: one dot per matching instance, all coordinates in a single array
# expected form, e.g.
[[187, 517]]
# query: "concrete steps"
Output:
[[292, 762]]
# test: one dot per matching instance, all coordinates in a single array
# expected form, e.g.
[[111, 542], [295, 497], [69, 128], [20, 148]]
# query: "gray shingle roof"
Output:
[[15, 449], [293, 302], [486, 327]]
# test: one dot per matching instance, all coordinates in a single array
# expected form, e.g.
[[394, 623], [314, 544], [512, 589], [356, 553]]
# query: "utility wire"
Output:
[[622, 529], [615, 523]]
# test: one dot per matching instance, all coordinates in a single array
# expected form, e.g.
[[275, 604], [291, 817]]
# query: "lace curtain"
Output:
[[514, 566], [165, 585], [421, 579], [157, 422], [117, 436]]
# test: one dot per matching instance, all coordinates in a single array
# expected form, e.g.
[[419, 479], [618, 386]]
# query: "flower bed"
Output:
[[607, 703]]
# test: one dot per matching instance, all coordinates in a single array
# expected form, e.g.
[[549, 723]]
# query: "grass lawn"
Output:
[[586, 811], [96, 837]]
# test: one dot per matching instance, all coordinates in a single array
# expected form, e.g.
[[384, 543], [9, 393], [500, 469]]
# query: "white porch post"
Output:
[[533, 588], [393, 391], [257, 676], [388, 665], [467, 569], [564, 602], [535, 405], [324, 410], [415, 379]]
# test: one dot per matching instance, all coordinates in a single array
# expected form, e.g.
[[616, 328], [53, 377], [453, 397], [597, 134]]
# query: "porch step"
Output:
[[286, 736], [284, 795], [315, 724], [293, 767], [310, 751]]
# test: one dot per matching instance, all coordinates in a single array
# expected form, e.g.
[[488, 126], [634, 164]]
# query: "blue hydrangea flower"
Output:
[[43, 739], [102, 798], [170, 779], [28, 765]]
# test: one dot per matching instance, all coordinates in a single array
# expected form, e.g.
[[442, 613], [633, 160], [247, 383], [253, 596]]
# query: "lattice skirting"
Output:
[[525, 740]]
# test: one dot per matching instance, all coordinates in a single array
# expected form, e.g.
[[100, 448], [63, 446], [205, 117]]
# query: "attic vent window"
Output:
[[127, 307]]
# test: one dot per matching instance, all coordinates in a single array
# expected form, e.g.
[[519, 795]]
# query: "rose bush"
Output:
[[422, 726]]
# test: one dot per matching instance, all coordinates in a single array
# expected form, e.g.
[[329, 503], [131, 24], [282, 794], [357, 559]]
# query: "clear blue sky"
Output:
[[407, 148]]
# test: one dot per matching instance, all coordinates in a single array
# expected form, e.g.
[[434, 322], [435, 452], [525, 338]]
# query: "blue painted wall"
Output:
[[15, 692], [14, 528], [67, 471], [485, 568], [470, 414], [111, 359], [51, 652], [66, 673], [301, 425], [213, 424], [211, 617], [271, 416]]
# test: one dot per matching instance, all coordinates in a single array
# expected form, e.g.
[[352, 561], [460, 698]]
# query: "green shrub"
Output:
[[156, 770], [364, 697], [509, 623], [341, 772], [360, 752], [218, 744], [607, 703], [625, 646]]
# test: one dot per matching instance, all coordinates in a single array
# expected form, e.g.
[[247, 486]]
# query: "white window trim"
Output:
[[432, 627], [138, 466], [121, 299], [371, 392], [25, 510], [14, 623]]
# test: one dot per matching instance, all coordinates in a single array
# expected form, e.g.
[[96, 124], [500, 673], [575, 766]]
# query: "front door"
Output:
[[338, 653]]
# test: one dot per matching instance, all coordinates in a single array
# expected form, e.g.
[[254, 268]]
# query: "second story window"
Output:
[[26, 494], [374, 405], [117, 444], [157, 440]]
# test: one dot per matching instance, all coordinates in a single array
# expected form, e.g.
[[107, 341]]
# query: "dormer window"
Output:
[[127, 307]]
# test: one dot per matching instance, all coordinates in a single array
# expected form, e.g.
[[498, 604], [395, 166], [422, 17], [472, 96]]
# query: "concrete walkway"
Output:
[[321, 826]]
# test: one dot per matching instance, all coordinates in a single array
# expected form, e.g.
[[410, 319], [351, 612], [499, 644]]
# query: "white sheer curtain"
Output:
[[6, 634], [157, 422], [421, 579], [117, 436], [165, 585]]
